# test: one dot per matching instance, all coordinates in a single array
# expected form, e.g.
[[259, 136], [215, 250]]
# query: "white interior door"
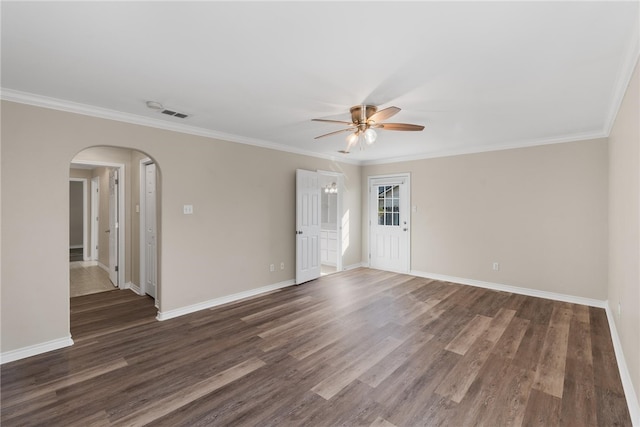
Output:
[[308, 211], [95, 208], [113, 226], [389, 224], [150, 238]]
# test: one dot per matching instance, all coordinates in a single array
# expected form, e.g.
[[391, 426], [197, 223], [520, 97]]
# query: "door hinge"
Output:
[[116, 268], [117, 181], [369, 256]]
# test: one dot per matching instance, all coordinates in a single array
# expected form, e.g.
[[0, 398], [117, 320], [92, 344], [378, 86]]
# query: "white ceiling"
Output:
[[479, 75]]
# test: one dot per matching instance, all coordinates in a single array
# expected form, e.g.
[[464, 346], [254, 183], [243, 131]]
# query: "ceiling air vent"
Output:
[[175, 114]]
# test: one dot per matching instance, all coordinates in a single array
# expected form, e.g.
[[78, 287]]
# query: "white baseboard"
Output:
[[75, 246], [625, 376], [34, 350], [83, 263], [135, 288], [165, 315], [353, 266], [102, 266], [514, 289]]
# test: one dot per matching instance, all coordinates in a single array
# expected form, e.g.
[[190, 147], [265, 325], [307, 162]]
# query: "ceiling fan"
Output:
[[364, 119]]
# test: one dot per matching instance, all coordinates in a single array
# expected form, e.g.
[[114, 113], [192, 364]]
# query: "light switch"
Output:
[[188, 209]]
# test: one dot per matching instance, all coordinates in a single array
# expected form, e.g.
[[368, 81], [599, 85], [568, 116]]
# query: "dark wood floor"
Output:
[[364, 347]]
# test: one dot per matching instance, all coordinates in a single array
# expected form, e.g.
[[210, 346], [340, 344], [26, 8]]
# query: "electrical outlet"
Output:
[[282, 266], [496, 266], [272, 268], [187, 209]]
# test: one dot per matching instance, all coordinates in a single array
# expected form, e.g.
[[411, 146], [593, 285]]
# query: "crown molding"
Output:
[[93, 111], [104, 113], [489, 148], [624, 77]]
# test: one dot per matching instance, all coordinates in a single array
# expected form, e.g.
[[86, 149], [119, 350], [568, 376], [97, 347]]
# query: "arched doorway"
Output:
[[120, 189]]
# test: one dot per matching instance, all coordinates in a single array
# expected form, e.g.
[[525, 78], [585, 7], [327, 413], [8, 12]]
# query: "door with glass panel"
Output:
[[389, 223]]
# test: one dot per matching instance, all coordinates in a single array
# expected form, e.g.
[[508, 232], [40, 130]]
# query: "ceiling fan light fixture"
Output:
[[364, 118], [331, 188], [370, 136], [352, 139]]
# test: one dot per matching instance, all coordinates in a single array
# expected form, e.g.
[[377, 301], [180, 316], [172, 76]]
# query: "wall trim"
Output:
[[596, 134], [104, 113], [354, 266], [625, 74], [102, 266], [170, 314], [135, 288], [625, 376], [33, 350], [514, 289]]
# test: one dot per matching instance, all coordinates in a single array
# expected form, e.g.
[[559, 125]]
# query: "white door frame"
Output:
[[341, 228], [95, 211], [121, 213], [114, 223], [143, 226], [371, 180], [85, 233]]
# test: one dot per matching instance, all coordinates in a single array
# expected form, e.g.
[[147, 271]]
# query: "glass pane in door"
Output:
[[389, 205]]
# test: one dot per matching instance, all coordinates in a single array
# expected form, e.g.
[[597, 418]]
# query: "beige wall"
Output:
[[244, 212], [541, 212], [624, 227]]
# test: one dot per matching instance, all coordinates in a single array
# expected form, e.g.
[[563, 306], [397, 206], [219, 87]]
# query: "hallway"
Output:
[[86, 278]]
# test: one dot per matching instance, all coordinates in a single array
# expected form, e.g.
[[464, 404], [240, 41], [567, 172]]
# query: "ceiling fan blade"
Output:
[[384, 114], [399, 126], [334, 133], [332, 121]]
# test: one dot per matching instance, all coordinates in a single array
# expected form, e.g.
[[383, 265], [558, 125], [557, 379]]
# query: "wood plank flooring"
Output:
[[359, 348]]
